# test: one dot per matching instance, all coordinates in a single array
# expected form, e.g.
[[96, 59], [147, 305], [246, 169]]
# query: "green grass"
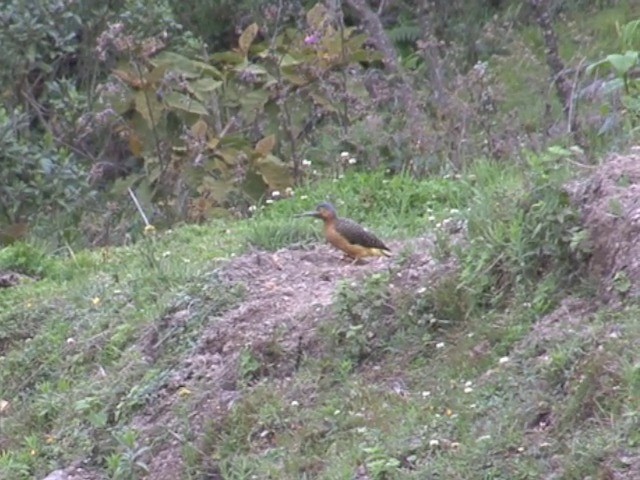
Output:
[[394, 206], [584, 35], [70, 365], [408, 377], [446, 417]]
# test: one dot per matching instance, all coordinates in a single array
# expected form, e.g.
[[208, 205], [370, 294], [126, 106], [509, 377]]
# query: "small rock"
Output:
[[57, 475]]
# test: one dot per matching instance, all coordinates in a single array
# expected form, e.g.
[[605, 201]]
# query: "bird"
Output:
[[346, 235]]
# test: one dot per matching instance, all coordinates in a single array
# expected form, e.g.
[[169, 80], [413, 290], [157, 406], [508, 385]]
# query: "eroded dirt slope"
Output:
[[289, 293]]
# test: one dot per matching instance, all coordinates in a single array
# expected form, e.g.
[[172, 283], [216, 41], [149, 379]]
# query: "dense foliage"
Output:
[[199, 110]]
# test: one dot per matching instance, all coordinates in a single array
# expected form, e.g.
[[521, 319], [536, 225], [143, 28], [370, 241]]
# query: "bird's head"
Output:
[[325, 211]]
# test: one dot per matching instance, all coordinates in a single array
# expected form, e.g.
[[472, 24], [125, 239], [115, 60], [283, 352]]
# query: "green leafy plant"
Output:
[[362, 320], [379, 463], [127, 463], [628, 85], [40, 175], [199, 108], [26, 258], [520, 232]]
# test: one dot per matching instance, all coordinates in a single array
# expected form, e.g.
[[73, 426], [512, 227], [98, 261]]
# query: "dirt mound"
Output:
[[289, 293], [609, 201]]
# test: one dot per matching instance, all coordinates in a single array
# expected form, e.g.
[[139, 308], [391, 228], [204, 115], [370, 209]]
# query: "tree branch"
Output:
[[561, 80], [408, 96]]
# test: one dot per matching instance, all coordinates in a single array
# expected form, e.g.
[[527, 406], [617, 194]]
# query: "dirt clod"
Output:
[[609, 201]]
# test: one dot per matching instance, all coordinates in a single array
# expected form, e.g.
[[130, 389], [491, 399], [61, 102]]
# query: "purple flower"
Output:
[[311, 39]]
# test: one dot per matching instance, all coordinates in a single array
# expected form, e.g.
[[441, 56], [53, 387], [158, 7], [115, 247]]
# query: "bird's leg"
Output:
[[357, 261], [348, 258]]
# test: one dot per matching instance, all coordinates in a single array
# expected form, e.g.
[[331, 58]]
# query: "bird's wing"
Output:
[[358, 235]]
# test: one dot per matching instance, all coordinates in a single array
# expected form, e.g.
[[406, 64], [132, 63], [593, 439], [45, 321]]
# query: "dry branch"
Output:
[[408, 96], [561, 80]]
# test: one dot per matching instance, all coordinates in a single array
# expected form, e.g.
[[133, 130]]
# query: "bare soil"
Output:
[[609, 200]]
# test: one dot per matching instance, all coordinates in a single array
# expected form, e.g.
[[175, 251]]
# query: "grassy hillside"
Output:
[[246, 350], [500, 341]]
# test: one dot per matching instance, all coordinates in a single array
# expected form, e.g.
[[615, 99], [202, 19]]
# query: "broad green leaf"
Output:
[[121, 104], [288, 60], [253, 69], [121, 185], [275, 173], [623, 63], [265, 146], [202, 87], [135, 144], [213, 143], [233, 58], [247, 37], [132, 79], [255, 99], [185, 103], [228, 155], [217, 190], [157, 74], [213, 164], [254, 185], [149, 107], [141, 128], [199, 129], [237, 141], [316, 17], [296, 79], [323, 101], [185, 66], [594, 66]]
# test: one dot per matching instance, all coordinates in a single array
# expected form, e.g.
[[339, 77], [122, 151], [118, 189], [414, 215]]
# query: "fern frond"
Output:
[[404, 33]]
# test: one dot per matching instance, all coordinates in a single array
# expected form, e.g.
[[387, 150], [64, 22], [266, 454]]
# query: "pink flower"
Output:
[[311, 39]]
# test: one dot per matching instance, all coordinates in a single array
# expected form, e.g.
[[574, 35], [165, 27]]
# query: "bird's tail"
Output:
[[379, 252]]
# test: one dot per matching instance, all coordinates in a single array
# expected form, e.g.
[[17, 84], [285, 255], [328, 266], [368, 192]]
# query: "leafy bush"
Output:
[[215, 132], [363, 325], [40, 176], [25, 258], [624, 84], [525, 237], [50, 68]]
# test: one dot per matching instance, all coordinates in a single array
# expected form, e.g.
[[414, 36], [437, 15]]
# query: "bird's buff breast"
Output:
[[339, 242]]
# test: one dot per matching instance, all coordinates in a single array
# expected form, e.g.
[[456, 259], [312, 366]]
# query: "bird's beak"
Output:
[[308, 214]]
